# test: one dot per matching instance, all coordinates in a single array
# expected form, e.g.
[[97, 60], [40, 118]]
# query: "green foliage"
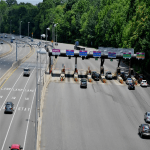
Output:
[[111, 23]]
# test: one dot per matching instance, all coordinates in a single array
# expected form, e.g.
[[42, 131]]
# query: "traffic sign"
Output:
[[70, 52], [140, 55], [52, 41], [32, 33], [111, 55], [55, 51], [96, 53], [82, 53], [127, 55]]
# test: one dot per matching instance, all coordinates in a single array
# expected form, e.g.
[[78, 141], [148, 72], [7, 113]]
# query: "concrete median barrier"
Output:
[[120, 79], [103, 79]]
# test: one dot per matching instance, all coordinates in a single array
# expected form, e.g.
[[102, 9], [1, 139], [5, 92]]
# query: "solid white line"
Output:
[[15, 111], [28, 121]]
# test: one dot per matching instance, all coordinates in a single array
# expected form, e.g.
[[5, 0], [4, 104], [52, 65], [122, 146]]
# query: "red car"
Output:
[[15, 147]]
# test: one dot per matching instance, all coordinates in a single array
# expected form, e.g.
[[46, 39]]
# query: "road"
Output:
[[19, 127], [103, 116]]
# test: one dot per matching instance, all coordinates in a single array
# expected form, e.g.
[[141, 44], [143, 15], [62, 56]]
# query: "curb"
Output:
[[47, 79]]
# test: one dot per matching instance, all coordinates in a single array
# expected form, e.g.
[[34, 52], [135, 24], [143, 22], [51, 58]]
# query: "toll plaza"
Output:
[[101, 53]]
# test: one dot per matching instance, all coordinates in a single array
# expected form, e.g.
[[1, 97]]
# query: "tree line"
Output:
[[105, 23]]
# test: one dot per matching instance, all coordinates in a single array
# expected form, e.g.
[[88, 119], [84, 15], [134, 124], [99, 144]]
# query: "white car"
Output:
[[13, 38], [147, 117], [143, 83], [5, 35], [129, 80]]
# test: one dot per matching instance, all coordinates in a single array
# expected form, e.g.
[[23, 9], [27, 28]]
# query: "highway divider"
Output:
[[4, 54], [15, 65], [46, 81], [120, 79]]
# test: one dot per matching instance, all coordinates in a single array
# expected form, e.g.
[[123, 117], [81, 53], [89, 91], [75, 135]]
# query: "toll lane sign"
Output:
[[55, 51], [82, 53], [111, 55], [140, 55], [96, 53], [70, 52], [127, 55]]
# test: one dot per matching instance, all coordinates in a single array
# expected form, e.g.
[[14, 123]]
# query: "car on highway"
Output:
[[13, 38], [1, 36], [1, 42], [124, 76], [15, 147], [143, 83], [26, 72], [83, 83], [9, 108], [108, 75], [6, 36], [144, 130], [129, 80], [95, 76], [147, 117], [56, 43], [11, 41], [131, 86]]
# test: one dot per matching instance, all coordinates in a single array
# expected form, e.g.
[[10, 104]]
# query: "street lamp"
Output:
[[28, 29], [56, 31], [41, 51], [20, 29], [46, 32], [10, 26]]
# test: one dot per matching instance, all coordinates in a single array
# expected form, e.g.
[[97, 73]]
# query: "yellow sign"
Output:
[[32, 33], [52, 41], [13, 30]]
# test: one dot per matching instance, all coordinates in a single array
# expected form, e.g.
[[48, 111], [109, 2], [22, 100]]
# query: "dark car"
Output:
[[83, 83], [11, 41], [95, 76], [124, 76], [9, 107], [131, 86], [144, 130]]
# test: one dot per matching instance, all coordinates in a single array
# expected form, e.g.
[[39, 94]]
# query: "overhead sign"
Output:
[[55, 51], [111, 55], [140, 55], [127, 55], [82, 53], [70, 52], [96, 53]]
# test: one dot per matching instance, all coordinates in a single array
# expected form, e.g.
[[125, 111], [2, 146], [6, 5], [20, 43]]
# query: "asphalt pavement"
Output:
[[103, 116]]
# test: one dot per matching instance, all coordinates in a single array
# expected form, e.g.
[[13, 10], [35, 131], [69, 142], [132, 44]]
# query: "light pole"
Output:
[[46, 32], [20, 29], [10, 26], [56, 31], [28, 29]]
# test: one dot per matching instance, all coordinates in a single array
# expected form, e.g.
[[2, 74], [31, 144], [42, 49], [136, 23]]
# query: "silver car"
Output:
[[147, 117], [108, 75], [26, 72], [129, 81]]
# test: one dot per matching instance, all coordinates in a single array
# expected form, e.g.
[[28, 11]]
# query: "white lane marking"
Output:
[[15, 111], [1, 96], [19, 90], [26, 98], [10, 91], [28, 121], [13, 98]]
